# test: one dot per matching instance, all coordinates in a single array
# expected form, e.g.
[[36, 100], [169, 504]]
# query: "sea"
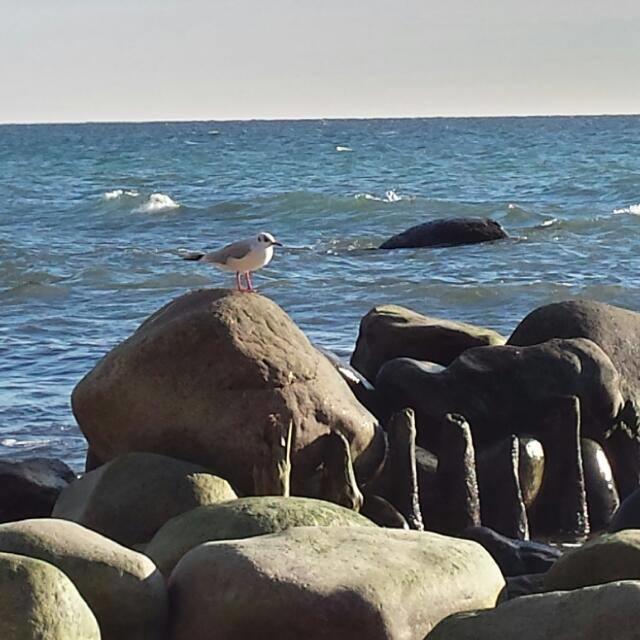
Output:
[[94, 217]]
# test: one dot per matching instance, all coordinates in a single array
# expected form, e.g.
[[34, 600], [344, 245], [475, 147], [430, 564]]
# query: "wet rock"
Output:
[[131, 497], [243, 518], [501, 503], [530, 468], [30, 488], [389, 331], [617, 332], [39, 602], [607, 611], [627, 515], [201, 377], [523, 585], [329, 582], [123, 588], [447, 232], [504, 390], [602, 494], [608, 558], [514, 557]]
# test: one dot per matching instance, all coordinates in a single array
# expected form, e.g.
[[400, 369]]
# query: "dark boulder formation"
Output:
[[447, 232], [389, 331], [30, 488], [627, 516], [203, 377], [617, 332], [602, 494], [514, 557]]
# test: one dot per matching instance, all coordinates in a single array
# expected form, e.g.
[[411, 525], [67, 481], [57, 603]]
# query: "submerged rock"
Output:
[[30, 488], [39, 602], [243, 518], [124, 589], [390, 331], [447, 232], [203, 378], [131, 497]]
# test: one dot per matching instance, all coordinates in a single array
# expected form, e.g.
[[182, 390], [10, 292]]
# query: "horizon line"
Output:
[[319, 118]]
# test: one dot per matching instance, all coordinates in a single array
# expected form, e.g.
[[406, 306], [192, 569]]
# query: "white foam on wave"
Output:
[[156, 203], [340, 148], [118, 193], [389, 196], [633, 209]]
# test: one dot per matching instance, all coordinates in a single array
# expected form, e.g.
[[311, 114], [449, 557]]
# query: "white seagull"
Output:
[[242, 257]]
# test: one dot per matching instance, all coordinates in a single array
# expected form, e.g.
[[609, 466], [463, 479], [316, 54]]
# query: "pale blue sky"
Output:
[[78, 60]]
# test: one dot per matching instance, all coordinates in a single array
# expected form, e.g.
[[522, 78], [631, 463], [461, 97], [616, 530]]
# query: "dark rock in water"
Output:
[[514, 557], [389, 331], [200, 379], [30, 488], [383, 513], [448, 232], [617, 332], [602, 495], [501, 503], [628, 514], [505, 389]]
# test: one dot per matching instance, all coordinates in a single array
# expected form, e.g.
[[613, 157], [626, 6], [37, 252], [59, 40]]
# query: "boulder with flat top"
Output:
[[207, 376]]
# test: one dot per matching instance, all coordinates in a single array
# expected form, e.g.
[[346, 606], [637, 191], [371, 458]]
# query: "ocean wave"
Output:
[[118, 193], [633, 209], [156, 203], [340, 148], [389, 196]]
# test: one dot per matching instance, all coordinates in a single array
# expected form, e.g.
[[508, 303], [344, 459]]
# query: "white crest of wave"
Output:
[[157, 202], [340, 148], [389, 196], [118, 193], [633, 209]]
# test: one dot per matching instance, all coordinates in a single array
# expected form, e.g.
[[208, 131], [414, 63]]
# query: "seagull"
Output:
[[243, 257]]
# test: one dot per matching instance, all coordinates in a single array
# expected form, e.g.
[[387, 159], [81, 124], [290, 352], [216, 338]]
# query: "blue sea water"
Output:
[[92, 217]]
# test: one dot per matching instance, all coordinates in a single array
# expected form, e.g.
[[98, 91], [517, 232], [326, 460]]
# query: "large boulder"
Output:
[[131, 497], [30, 488], [607, 611], [615, 330], [389, 331], [329, 582], [503, 390], [39, 602], [243, 518], [125, 591], [608, 558], [627, 516], [206, 376], [447, 232]]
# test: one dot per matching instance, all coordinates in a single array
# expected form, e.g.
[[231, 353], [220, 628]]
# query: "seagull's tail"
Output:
[[193, 256]]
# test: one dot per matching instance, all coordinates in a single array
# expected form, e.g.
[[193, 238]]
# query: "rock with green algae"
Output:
[[39, 602], [329, 582], [243, 518], [593, 613], [124, 589], [131, 497], [607, 558]]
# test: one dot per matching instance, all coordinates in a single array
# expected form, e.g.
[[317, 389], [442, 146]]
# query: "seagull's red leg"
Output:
[[238, 281], [247, 275]]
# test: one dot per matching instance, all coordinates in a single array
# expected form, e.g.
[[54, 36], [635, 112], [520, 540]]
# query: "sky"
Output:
[[143, 60]]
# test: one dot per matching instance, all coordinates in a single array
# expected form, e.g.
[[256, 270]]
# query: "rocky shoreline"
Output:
[[241, 483]]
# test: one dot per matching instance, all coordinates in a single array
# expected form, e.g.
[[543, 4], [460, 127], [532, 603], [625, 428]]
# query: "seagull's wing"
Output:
[[235, 250]]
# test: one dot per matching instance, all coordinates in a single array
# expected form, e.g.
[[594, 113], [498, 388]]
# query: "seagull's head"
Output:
[[266, 240]]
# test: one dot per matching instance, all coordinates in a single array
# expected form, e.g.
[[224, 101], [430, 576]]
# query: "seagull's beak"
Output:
[[276, 243]]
